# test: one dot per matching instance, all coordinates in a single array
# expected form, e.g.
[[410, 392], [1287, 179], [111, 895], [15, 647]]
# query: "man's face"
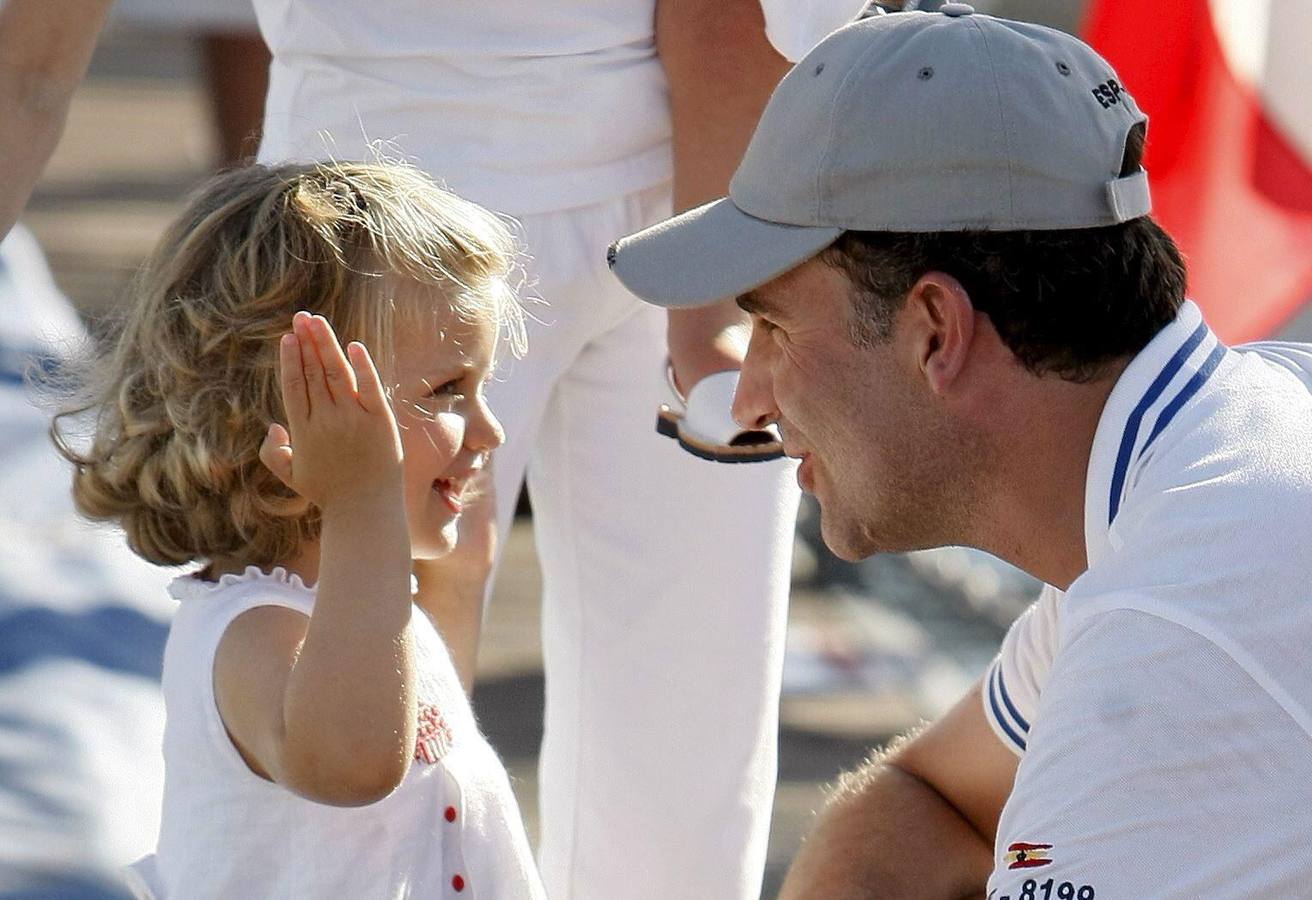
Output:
[[874, 444]]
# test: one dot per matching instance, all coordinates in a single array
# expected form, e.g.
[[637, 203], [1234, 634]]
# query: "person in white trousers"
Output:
[[662, 650]]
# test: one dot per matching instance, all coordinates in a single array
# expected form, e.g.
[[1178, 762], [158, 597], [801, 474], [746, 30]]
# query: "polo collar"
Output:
[[1154, 387]]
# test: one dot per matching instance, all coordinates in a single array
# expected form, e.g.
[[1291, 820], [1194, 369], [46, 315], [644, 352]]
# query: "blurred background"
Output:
[[872, 648]]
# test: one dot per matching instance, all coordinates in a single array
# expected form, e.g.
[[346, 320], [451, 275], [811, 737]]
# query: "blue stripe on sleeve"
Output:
[[998, 715], [1011, 708]]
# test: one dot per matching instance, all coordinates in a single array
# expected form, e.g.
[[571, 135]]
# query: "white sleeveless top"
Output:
[[451, 829]]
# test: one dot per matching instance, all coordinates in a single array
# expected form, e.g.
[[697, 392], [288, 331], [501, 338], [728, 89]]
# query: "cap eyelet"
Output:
[[926, 73], [1063, 68], [820, 68]]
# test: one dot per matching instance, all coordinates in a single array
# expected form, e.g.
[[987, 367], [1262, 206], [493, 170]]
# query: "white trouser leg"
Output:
[[666, 582]]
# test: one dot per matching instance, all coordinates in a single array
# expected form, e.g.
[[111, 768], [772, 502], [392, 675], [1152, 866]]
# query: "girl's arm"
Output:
[[325, 706]]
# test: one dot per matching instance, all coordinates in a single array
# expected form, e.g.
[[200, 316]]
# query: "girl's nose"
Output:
[[484, 431]]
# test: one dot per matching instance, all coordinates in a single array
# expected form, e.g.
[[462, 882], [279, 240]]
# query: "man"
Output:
[[970, 332]]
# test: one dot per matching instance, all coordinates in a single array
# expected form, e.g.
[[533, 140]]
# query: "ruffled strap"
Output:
[[190, 587]]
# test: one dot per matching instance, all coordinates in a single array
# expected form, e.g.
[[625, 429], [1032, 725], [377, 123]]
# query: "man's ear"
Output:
[[940, 324]]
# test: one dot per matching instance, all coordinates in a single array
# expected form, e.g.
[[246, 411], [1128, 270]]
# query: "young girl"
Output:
[[318, 741]]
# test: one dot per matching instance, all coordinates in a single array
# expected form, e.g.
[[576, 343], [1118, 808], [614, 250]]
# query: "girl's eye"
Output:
[[447, 389], [440, 398]]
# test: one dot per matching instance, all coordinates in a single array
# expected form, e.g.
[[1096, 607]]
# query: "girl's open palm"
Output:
[[341, 439]]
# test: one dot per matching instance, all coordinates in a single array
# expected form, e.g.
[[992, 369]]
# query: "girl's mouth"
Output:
[[451, 491]]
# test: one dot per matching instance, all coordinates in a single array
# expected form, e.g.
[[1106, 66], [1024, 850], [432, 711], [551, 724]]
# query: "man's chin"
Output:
[[845, 541]]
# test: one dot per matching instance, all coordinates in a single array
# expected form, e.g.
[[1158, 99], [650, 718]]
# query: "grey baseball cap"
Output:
[[917, 121]]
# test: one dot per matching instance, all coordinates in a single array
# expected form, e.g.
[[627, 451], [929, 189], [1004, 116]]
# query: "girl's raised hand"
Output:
[[341, 440]]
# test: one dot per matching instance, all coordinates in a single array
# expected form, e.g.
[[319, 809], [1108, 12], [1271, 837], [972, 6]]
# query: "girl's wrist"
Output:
[[375, 497]]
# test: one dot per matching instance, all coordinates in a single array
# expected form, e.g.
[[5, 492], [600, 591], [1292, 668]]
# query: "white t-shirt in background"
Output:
[[524, 107], [1162, 706]]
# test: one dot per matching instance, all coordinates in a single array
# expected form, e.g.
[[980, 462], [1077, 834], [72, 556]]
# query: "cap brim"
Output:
[[711, 253]]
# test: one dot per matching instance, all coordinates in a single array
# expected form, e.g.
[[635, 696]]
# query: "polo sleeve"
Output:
[[1015, 679], [1158, 768]]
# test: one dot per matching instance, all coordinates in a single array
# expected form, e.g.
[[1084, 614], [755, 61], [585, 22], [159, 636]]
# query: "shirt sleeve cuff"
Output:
[[1003, 717]]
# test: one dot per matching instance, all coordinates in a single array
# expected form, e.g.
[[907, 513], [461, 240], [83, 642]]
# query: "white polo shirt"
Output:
[[1162, 706]]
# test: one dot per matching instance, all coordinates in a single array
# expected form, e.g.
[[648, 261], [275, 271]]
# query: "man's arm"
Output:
[[915, 821], [45, 46], [721, 71]]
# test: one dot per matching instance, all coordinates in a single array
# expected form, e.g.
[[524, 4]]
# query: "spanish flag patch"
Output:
[[1021, 855]]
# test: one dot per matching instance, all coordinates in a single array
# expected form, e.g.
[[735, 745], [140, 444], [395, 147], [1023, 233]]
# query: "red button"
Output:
[[450, 813], [458, 883]]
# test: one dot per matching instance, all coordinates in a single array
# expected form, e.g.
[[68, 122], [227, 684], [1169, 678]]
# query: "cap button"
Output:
[[956, 9]]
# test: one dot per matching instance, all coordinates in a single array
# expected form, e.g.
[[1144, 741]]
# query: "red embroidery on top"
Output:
[[434, 739]]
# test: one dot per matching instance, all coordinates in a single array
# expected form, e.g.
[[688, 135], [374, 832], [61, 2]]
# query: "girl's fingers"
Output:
[[292, 378], [369, 384], [276, 453], [337, 373], [311, 366]]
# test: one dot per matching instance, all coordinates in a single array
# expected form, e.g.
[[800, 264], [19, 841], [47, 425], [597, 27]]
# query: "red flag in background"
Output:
[[1227, 86]]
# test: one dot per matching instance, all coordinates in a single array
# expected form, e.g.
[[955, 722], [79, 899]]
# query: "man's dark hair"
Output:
[[1065, 302]]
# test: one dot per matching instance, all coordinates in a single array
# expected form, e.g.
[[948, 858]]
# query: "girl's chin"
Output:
[[436, 546]]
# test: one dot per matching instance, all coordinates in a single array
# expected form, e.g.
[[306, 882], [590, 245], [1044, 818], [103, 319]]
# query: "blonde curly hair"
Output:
[[185, 387]]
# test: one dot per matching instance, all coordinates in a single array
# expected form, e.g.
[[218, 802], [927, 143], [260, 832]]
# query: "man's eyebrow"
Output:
[[752, 302]]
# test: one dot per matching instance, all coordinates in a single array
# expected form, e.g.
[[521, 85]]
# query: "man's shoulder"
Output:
[[1239, 455], [1147, 729], [1290, 357]]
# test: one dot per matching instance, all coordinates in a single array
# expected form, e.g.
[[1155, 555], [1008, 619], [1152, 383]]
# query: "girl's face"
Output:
[[447, 430]]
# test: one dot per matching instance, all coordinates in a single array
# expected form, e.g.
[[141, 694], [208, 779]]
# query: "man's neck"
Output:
[[1036, 517]]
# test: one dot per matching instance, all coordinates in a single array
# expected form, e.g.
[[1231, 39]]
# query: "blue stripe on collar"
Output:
[[1132, 424], [1191, 387]]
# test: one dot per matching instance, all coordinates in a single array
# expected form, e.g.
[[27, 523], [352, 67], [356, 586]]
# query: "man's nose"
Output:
[[753, 403]]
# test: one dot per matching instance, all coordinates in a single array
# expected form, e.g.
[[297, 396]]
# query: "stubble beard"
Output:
[[930, 502]]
